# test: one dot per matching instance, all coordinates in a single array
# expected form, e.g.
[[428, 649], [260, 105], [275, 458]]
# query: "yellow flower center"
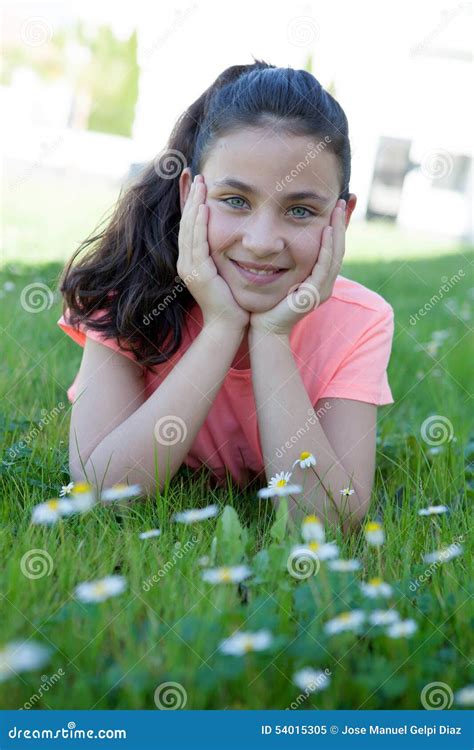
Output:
[[304, 455], [311, 519], [53, 504], [247, 645], [100, 588], [281, 483], [345, 616], [314, 546], [81, 487], [375, 581], [373, 526], [225, 574]]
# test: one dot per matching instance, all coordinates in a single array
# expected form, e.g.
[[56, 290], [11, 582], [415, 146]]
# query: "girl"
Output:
[[216, 329]]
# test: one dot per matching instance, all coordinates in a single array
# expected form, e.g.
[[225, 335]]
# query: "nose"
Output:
[[260, 235]]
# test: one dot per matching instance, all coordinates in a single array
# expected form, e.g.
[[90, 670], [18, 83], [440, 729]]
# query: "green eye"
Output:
[[295, 208]]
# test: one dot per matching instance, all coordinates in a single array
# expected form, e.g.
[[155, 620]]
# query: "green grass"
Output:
[[115, 654]]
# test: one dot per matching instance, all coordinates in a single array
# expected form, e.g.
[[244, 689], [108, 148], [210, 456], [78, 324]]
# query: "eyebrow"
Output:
[[299, 195]]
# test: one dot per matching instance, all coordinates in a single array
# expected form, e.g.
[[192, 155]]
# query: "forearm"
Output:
[[168, 422], [283, 413]]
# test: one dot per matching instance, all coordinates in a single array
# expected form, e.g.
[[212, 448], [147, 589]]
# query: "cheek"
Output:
[[221, 230]]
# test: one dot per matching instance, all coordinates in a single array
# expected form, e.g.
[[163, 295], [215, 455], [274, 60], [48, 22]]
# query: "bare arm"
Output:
[[113, 426]]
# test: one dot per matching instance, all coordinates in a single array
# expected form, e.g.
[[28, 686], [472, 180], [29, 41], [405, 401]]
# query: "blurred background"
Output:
[[90, 91]]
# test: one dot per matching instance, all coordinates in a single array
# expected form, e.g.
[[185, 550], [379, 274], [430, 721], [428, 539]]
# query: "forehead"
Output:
[[265, 159]]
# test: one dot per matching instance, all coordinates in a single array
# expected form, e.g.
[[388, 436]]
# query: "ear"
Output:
[[185, 182], [350, 206]]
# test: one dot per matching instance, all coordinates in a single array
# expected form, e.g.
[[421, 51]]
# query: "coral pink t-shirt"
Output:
[[341, 348]]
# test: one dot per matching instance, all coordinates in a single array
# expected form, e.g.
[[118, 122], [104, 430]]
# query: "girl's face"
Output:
[[264, 220]]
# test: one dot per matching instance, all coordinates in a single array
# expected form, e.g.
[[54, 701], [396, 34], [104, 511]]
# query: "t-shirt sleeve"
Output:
[[79, 333], [362, 375]]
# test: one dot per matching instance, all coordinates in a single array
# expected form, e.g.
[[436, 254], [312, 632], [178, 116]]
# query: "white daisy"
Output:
[[344, 566], [21, 656], [374, 534], [305, 460], [384, 617], [433, 510], [402, 629], [351, 620], [242, 642], [312, 529], [465, 696], [326, 551], [100, 590], [66, 489], [149, 534], [234, 574], [279, 486], [444, 555], [346, 492], [51, 511], [311, 680], [196, 514], [376, 587], [121, 492]]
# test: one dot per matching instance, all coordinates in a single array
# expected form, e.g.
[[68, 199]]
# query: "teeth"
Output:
[[257, 273]]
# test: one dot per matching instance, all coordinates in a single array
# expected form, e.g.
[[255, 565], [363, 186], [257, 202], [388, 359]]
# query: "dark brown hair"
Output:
[[130, 274]]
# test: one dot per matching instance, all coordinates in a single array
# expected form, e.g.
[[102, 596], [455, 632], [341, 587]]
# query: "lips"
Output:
[[258, 279]]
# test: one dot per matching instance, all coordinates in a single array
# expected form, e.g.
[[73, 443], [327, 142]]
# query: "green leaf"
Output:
[[231, 537], [278, 530]]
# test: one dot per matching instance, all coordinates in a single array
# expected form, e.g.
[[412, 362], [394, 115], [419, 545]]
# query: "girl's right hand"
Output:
[[196, 267]]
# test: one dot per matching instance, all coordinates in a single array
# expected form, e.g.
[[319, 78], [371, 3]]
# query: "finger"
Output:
[[186, 222], [339, 241], [200, 244], [323, 264]]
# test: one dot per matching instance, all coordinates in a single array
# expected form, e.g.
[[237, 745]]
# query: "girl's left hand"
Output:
[[316, 288]]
